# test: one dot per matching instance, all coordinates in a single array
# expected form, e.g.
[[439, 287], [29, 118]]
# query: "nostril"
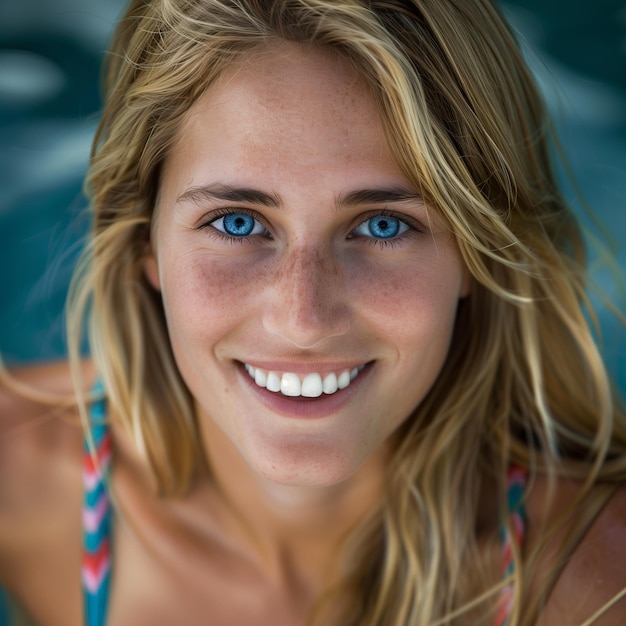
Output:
[[305, 327], [301, 340]]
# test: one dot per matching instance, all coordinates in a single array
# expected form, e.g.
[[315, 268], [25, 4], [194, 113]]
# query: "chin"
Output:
[[307, 468]]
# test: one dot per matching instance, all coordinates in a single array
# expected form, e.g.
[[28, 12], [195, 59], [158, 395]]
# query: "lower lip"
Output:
[[306, 408]]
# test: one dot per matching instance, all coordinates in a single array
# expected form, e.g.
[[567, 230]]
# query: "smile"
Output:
[[311, 385]]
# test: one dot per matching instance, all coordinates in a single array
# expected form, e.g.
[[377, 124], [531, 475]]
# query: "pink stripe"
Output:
[[90, 480], [518, 527], [93, 517], [93, 580], [506, 601]]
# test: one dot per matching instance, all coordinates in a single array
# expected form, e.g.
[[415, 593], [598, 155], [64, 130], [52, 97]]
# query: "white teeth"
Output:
[[329, 384], [260, 377], [273, 382], [311, 386], [290, 385], [344, 379]]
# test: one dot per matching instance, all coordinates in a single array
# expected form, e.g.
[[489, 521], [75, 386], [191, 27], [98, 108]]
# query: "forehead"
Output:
[[279, 96], [286, 108], [286, 73]]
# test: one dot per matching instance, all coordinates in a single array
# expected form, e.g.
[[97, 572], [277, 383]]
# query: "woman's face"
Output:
[[310, 294]]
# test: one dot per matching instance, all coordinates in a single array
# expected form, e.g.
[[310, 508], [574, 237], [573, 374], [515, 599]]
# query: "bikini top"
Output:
[[97, 525]]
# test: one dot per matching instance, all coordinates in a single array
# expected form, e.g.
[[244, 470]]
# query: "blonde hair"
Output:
[[466, 125]]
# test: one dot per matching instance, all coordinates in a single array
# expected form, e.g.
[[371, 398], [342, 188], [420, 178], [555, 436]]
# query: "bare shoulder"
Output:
[[592, 586], [40, 444]]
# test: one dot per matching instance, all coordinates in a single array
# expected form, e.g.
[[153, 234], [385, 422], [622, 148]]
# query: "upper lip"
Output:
[[305, 367]]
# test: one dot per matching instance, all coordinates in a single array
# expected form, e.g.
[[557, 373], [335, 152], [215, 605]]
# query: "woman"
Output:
[[339, 357]]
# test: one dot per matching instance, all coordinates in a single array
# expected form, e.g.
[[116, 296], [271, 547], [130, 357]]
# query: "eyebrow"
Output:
[[382, 195], [218, 191]]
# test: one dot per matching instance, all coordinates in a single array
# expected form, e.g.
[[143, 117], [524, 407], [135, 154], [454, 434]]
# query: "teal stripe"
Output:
[[92, 497], [93, 541], [96, 605], [5, 609]]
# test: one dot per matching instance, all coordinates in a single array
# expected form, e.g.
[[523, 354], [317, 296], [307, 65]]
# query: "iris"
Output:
[[238, 224], [383, 226]]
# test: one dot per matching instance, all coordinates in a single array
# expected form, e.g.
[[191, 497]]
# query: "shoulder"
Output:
[[37, 411], [40, 453], [592, 583]]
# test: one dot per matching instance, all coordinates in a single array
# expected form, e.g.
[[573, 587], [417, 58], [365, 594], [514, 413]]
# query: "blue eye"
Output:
[[381, 227], [238, 225]]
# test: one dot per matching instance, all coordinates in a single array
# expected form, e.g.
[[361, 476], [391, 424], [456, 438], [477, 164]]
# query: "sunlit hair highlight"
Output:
[[464, 122]]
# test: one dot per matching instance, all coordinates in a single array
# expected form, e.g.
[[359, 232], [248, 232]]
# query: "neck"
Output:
[[289, 529]]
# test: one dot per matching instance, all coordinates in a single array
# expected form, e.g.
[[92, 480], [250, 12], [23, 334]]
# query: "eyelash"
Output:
[[220, 213], [413, 227]]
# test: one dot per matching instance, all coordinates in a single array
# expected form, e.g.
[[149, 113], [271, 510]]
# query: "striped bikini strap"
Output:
[[96, 562], [512, 537]]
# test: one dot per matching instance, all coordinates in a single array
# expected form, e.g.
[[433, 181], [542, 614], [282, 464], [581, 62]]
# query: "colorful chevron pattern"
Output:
[[96, 567], [512, 535]]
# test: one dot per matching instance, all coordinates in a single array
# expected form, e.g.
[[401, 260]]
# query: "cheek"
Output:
[[412, 299], [202, 295], [413, 313]]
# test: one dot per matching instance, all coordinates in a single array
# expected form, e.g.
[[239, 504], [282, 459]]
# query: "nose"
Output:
[[307, 300]]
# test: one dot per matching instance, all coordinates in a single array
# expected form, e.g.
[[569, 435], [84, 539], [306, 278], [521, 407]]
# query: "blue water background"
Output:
[[50, 54]]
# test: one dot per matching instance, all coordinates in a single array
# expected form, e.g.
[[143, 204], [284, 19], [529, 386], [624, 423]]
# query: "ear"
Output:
[[151, 268]]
